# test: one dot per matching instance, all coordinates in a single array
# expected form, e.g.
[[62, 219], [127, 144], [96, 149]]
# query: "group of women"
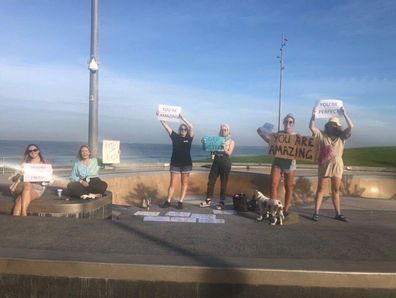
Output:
[[330, 164], [85, 181]]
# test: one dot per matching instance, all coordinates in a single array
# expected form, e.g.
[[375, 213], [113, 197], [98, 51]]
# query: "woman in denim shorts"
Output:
[[181, 162], [281, 166]]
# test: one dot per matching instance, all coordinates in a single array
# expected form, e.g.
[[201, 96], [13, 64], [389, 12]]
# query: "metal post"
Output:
[[93, 80], [283, 43]]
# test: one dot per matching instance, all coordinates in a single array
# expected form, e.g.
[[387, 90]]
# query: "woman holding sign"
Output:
[[331, 165], [181, 162], [26, 192], [281, 166], [85, 182], [221, 166]]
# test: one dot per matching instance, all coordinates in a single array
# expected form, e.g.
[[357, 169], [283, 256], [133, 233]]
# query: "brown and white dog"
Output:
[[270, 208]]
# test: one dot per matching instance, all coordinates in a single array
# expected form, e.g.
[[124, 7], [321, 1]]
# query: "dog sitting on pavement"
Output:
[[269, 208]]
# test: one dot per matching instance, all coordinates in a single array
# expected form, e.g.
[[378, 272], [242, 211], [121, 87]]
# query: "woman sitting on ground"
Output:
[[26, 192], [85, 181]]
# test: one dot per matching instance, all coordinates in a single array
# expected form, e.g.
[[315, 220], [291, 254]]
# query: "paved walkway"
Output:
[[366, 243]]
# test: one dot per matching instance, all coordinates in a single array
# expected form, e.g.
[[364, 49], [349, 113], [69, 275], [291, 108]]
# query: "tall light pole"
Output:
[[93, 80], [283, 44]]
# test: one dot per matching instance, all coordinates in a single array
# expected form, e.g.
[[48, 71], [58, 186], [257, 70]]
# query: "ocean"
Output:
[[64, 153]]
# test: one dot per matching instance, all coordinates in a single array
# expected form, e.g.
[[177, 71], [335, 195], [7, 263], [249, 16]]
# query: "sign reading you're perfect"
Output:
[[293, 147]]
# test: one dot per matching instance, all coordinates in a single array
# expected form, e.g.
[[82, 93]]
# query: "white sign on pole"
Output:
[[327, 108], [266, 129], [37, 172], [169, 113], [111, 152]]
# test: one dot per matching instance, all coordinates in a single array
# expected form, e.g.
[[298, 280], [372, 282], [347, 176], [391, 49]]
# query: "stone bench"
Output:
[[51, 205]]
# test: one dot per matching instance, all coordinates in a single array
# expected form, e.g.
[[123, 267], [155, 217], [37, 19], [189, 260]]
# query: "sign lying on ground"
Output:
[[169, 113], [37, 172], [293, 147], [111, 152], [265, 129], [147, 213], [213, 143], [327, 108]]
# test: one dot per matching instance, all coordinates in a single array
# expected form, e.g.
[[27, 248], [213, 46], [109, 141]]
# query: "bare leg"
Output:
[[184, 185], [17, 207], [172, 184], [28, 195], [319, 193], [335, 191], [275, 178], [289, 187]]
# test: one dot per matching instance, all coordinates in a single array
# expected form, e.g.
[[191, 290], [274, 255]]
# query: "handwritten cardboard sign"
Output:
[[111, 152], [213, 143], [266, 129], [293, 147], [168, 113], [327, 108], [37, 172]]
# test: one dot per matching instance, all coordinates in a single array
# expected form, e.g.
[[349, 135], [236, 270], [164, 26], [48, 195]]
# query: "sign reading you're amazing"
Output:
[[293, 147]]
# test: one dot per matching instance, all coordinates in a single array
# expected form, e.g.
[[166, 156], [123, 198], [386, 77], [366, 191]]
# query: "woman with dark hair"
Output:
[[26, 192], [221, 166], [181, 162], [85, 182], [282, 166], [331, 165]]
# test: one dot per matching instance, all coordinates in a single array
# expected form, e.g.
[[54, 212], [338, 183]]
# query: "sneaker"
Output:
[[179, 205], [285, 214], [220, 206], [166, 204], [341, 218], [315, 217], [84, 197], [205, 203]]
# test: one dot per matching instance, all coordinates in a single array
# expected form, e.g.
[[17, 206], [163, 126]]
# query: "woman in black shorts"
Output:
[[181, 162], [281, 166]]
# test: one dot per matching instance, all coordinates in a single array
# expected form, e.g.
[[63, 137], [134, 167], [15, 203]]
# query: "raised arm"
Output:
[[189, 125], [264, 136], [348, 120], [312, 125], [166, 126]]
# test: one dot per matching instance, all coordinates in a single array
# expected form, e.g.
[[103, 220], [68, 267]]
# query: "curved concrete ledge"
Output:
[[94, 279], [131, 188], [50, 205]]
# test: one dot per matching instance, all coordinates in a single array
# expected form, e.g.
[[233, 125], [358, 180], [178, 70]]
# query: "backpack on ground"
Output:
[[240, 202]]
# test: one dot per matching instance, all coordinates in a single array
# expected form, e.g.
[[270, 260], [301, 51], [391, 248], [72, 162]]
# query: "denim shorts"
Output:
[[183, 169], [286, 165]]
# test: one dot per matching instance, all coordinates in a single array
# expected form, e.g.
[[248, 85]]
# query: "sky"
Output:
[[215, 59]]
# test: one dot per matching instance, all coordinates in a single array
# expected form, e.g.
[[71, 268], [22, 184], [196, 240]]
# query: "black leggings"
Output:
[[221, 166], [96, 186]]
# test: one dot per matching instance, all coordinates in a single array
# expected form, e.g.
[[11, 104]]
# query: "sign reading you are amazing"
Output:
[[293, 147]]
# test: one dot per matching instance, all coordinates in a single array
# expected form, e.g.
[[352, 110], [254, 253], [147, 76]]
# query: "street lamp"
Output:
[[93, 67], [283, 44]]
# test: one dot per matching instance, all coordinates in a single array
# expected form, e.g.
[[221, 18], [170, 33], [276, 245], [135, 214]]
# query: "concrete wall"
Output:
[[129, 189]]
